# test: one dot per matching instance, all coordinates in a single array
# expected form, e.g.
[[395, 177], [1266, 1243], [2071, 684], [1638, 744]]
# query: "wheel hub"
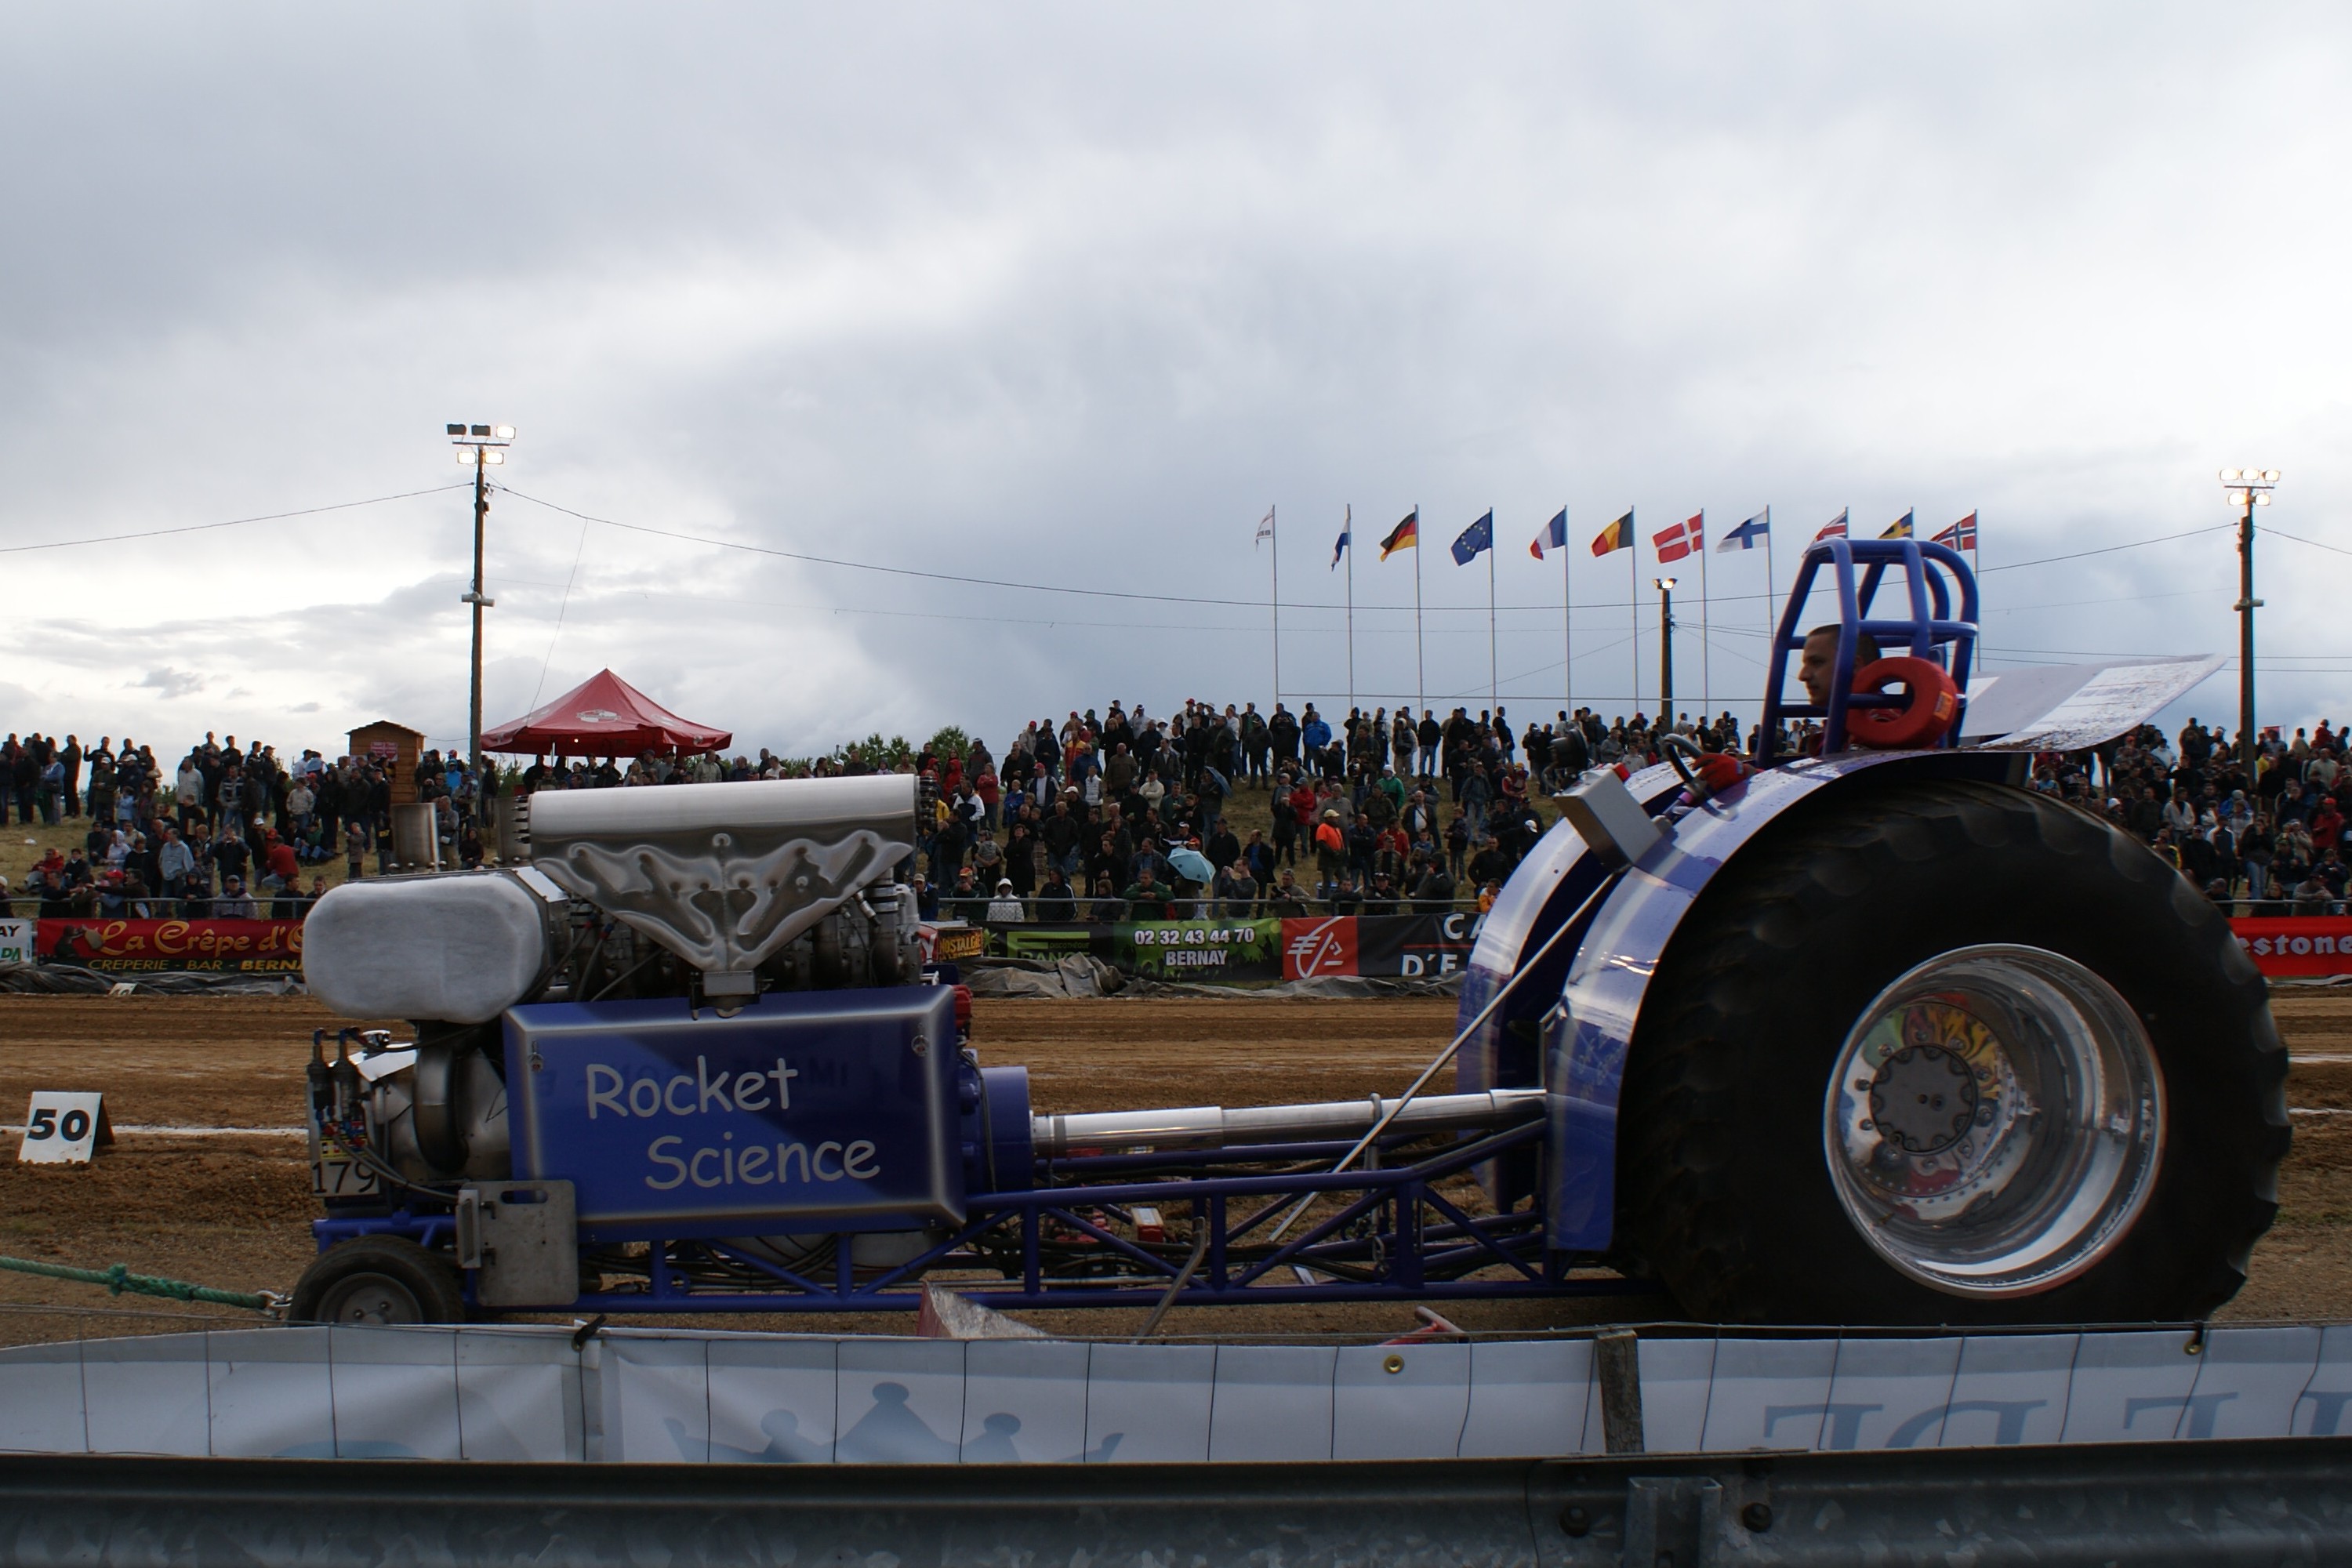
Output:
[[1995, 1122], [371, 1299], [1923, 1099]]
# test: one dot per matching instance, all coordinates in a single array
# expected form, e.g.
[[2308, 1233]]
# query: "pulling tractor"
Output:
[[1870, 1034]]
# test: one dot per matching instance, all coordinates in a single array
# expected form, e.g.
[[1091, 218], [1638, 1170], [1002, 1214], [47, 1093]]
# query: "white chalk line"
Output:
[[152, 1130]]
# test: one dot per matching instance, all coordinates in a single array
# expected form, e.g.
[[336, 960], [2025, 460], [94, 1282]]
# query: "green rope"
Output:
[[120, 1278]]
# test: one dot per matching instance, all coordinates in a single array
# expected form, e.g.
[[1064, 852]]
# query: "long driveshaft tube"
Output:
[[1216, 1127]]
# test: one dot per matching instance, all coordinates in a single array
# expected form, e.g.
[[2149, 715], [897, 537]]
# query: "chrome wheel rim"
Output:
[[1996, 1120], [372, 1299]]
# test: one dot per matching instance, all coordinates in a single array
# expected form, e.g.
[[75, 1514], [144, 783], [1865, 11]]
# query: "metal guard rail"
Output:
[[2190, 1502]]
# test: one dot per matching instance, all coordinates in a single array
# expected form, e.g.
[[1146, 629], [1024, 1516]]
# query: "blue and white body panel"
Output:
[[1585, 999]]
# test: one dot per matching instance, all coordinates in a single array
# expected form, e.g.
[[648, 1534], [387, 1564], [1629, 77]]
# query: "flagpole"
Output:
[[1348, 528], [1493, 668], [1567, 632], [1705, 681], [1273, 537], [1420, 668], [1976, 555], [1771, 590], [1634, 599]]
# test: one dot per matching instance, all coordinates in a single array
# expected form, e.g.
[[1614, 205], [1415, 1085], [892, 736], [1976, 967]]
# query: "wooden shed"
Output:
[[396, 746]]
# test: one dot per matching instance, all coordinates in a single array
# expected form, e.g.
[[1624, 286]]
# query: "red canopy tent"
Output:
[[603, 716]]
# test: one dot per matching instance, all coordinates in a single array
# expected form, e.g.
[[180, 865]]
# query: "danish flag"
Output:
[[1679, 540]]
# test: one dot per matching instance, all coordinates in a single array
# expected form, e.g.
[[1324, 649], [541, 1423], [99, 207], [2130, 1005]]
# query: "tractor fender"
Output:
[[1584, 999]]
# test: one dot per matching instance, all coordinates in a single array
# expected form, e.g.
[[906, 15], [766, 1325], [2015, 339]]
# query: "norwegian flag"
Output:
[[1836, 529], [1961, 535], [1679, 540]]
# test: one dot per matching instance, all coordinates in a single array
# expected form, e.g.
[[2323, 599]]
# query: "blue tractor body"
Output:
[[740, 1148]]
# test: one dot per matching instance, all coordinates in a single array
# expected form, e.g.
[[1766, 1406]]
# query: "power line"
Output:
[[2106, 549], [233, 522], [2274, 533], [1196, 599], [870, 566]]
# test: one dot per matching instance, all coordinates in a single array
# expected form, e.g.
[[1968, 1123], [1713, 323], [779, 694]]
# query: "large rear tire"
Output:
[[1948, 1052], [380, 1281]]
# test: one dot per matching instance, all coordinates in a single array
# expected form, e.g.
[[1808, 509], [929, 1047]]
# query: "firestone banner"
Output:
[[237, 947], [2299, 947]]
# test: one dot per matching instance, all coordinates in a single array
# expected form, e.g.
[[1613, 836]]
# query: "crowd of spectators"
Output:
[[2269, 844], [1124, 815], [222, 831]]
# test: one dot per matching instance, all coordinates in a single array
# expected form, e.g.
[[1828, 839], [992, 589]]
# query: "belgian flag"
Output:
[[1405, 535], [1617, 535]]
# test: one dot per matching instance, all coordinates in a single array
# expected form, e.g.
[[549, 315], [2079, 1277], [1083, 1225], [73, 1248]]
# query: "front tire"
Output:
[[378, 1281], [1948, 1052]]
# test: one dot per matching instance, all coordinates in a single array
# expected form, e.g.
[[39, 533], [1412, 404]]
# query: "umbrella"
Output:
[[1192, 865]]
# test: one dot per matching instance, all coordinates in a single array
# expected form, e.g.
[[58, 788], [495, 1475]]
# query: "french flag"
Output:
[[1553, 537]]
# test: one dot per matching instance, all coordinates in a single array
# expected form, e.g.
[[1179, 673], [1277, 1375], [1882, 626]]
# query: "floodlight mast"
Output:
[[2248, 488], [1666, 587], [484, 448]]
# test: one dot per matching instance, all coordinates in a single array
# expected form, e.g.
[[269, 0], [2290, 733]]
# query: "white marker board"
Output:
[[64, 1129]]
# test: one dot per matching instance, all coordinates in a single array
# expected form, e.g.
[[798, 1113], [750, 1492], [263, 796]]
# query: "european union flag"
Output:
[[1478, 536]]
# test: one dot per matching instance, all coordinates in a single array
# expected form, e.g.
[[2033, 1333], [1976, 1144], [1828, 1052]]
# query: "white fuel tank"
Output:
[[460, 948]]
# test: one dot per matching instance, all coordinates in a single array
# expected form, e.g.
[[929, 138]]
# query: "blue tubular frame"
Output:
[[1393, 1238], [1929, 631]]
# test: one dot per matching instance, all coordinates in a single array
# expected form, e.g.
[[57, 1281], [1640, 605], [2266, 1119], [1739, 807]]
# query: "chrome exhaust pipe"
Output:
[[1215, 1127]]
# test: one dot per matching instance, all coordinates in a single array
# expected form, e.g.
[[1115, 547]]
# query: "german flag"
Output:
[[1617, 535], [1405, 535]]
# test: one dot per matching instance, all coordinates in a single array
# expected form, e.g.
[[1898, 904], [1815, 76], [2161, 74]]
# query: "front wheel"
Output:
[[1952, 1053], [378, 1281]]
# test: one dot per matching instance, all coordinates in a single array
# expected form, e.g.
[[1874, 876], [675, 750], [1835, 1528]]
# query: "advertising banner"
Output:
[[232, 947], [15, 942], [1318, 945], [1199, 950], [1414, 947], [2299, 947], [1050, 943], [1410, 947]]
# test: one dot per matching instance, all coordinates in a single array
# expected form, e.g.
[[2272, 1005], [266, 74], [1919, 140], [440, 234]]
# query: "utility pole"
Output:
[[2249, 488], [482, 447], [1666, 587]]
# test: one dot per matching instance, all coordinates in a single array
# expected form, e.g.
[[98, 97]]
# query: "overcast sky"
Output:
[[1069, 296]]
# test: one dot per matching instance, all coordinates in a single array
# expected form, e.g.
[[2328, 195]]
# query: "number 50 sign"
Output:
[[64, 1129]]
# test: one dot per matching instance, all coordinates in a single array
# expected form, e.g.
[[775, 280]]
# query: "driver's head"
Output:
[[1815, 671]]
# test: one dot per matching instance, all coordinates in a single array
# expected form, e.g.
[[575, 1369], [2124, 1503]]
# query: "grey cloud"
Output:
[[1068, 297], [172, 682]]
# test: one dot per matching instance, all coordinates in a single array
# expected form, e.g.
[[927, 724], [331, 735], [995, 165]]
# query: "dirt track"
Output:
[[232, 1211]]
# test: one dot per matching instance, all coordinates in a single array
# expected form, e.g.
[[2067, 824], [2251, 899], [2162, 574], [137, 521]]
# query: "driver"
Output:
[[1817, 670]]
